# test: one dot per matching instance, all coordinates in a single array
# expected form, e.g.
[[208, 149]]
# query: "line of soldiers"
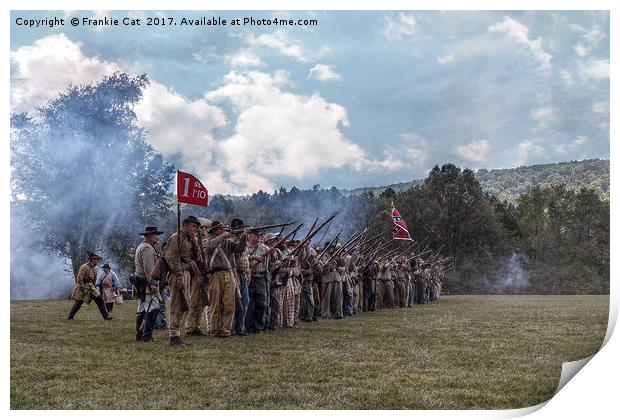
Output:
[[250, 281]]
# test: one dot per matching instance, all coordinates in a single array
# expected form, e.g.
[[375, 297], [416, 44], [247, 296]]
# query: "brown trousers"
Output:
[[179, 302], [316, 294], [360, 295], [221, 303], [196, 309]]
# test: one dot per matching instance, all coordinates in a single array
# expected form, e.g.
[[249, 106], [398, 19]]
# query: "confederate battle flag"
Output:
[[399, 227]]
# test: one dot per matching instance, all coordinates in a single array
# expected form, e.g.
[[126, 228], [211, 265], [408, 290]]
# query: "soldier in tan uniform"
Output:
[[222, 286], [85, 290], [198, 293], [144, 260], [181, 251]]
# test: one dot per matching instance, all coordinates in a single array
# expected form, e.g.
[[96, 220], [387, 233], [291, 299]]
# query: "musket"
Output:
[[355, 240], [405, 251], [276, 245], [374, 254], [292, 232], [309, 237], [370, 240], [422, 251], [419, 245], [333, 241], [370, 249], [326, 230], [263, 227], [312, 227], [420, 254], [342, 248]]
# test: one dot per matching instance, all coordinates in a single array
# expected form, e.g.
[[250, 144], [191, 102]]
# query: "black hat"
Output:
[[257, 231], [215, 225], [150, 230], [237, 224], [92, 255], [191, 219], [106, 265]]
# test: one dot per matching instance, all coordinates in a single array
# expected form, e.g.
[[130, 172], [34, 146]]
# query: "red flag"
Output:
[[399, 227], [190, 190]]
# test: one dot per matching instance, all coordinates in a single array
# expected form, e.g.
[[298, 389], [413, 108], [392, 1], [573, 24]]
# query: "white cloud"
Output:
[[206, 55], [177, 126], [49, 66], [520, 33], [282, 134], [543, 113], [280, 42], [595, 69], [570, 147], [476, 152], [398, 27], [544, 116], [528, 149], [581, 50], [100, 15], [180, 127], [244, 58], [323, 72], [446, 59], [411, 148], [567, 77], [601, 108]]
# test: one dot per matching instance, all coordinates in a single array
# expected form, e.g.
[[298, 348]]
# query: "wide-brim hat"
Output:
[[191, 219], [204, 222], [215, 225], [270, 237], [93, 256], [151, 230], [236, 224], [106, 265]]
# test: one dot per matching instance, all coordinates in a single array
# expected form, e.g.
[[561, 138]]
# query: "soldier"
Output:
[[198, 294], [419, 279], [307, 275], [389, 286], [144, 261], [287, 273], [275, 283], [382, 278], [257, 254], [316, 286], [297, 280], [180, 253], [242, 265], [331, 297], [85, 290], [220, 249]]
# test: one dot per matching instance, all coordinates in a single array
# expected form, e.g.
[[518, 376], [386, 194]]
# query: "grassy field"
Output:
[[463, 352]]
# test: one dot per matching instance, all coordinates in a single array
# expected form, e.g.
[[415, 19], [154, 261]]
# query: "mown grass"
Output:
[[463, 352]]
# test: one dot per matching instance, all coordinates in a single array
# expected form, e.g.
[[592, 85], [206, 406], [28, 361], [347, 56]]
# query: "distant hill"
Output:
[[508, 184]]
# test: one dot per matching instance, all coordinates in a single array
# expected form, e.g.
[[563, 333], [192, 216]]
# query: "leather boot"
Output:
[[102, 309], [139, 319], [147, 335], [76, 307]]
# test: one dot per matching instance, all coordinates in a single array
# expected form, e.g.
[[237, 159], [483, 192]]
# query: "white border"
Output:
[[591, 395]]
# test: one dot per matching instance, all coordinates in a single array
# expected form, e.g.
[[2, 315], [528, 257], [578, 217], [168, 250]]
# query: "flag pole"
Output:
[[178, 218]]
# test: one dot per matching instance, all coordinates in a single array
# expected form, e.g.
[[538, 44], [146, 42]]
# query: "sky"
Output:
[[360, 99]]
